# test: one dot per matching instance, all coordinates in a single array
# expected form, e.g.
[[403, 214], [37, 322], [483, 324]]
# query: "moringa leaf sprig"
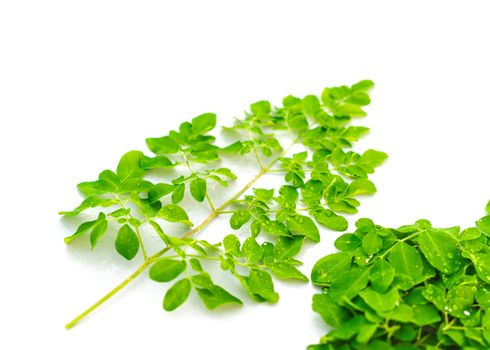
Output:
[[321, 181], [415, 287]]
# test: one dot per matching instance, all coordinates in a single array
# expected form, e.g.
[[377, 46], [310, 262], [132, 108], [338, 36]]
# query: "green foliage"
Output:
[[415, 287], [174, 213], [127, 243], [198, 189], [177, 294], [318, 183], [165, 270]]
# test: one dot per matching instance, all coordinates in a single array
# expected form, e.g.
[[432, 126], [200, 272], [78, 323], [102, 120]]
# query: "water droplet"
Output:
[[467, 312]]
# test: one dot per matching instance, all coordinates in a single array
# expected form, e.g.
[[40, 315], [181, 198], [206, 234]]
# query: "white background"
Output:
[[82, 82]]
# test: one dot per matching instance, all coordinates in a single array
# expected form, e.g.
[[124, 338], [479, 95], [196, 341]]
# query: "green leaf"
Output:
[[291, 101], [297, 121], [330, 219], [484, 225], [350, 110], [303, 225], [285, 271], [108, 182], [268, 253], [402, 313], [162, 145], [331, 313], [166, 269], [406, 333], [231, 244], [354, 133], [252, 250], [260, 107], [381, 301], [99, 229], [470, 233], [263, 194], [127, 243], [350, 328], [195, 265], [441, 250], [381, 276], [203, 123], [350, 283], [90, 202], [255, 228], [177, 295], [215, 296], [134, 185], [274, 227], [347, 242], [361, 186], [178, 193], [372, 159], [362, 86], [157, 162], [84, 228], [407, 262], [260, 283], [120, 213], [365, 225], [371, 243], [174, 213], [311, 104], [481, 261], [359, 98], [130, 166], [330, 267], [233, 148], [287, 196], [198, 189], [239, 218], [225, 172], [202, 280], [344, 205], [288, 247], [425, 314], [160, 190]]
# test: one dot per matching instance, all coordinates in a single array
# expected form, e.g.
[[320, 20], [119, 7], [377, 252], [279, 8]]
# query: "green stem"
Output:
[[210, 202], [149, 260], [138, 233], [108, 295], [256, 152]]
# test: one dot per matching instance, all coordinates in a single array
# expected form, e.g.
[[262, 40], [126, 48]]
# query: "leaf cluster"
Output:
[[322, 180], [415, 287]]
